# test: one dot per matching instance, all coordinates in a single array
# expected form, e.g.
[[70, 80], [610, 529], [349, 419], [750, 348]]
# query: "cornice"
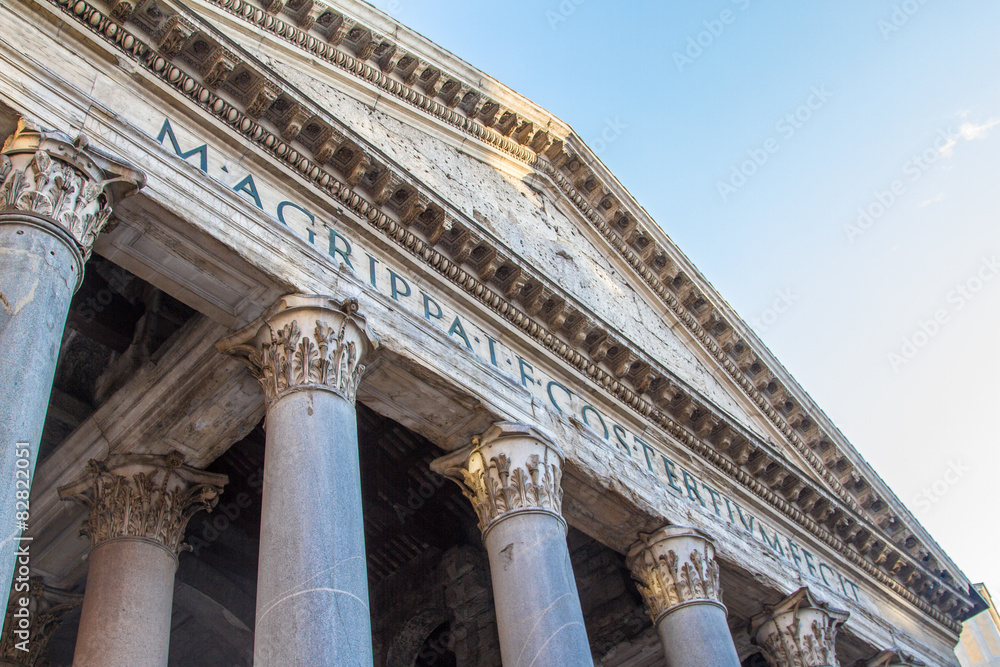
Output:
[[388, 201], [609, 208]]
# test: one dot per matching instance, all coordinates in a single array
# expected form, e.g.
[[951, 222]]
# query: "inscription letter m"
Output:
[[202, 151]]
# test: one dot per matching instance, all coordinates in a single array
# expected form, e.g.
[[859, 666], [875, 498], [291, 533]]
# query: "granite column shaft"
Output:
[[56, 194], [512, 475], [678, 577], [312, 581], [139, 505]]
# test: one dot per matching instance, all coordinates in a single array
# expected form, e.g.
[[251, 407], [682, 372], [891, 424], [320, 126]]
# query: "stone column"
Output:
[[139, 505], [678, 577], [55, 197], [512, 474], [799, 631], [891, 658], [312, 579], [34, 612]]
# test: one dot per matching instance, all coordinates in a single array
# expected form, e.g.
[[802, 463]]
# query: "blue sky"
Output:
[[754, 133]]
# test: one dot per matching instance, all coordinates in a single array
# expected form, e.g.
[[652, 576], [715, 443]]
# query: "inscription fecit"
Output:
[[673, 566], [511, 468], [305, 342], [63, 180]]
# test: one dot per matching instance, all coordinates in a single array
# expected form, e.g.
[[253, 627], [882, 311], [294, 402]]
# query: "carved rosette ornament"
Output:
[[64, 181], [143, 496], [305, 342], [510, 469], [800, 631], [673, 567], [33, 615], [893, 657]]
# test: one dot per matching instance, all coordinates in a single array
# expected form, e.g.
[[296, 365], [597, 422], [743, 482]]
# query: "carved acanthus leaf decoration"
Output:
[[142, 496], [510, 468], [495, 489], [284, 359], [675, 565], [799, 631], [63, 180], [45, 611]]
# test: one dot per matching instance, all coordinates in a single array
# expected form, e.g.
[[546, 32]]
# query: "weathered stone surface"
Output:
[[127, 607], [55, 196], [678, 576], [512, 475], [139, 506], [800, 630], [309, 353]]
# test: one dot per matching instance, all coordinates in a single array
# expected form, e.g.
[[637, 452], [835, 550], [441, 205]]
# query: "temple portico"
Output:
[[323, 391]]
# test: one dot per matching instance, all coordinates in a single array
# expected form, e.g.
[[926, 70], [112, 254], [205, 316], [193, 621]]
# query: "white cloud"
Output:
[[968, 132], [933, 200]]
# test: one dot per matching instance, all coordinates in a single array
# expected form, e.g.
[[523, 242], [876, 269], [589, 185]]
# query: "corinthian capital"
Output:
[[800, 631], [512, 468], [143, 496], [305, 342], [675, 566], [63, 180]]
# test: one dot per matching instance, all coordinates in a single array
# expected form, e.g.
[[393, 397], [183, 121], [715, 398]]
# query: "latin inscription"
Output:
[[410, 293]]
